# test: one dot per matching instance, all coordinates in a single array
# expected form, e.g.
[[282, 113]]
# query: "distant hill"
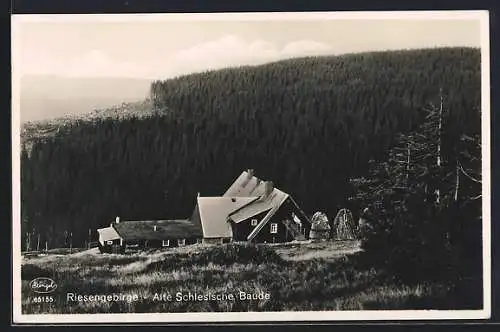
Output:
[[45, 97], [308, 124], [40, 130]]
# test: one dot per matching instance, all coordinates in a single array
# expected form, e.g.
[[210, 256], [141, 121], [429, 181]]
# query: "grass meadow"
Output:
[[307, 276]]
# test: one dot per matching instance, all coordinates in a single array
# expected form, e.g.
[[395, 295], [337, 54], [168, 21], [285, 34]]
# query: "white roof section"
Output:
[[246, 185], [108, 234], [249, 185], [264, 203], [214, 212]]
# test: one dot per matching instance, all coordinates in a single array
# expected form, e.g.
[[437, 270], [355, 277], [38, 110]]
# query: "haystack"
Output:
[[320, 228], [344, 226]]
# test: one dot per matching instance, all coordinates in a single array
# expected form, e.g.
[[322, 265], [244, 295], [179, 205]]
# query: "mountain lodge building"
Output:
[[250, 210]]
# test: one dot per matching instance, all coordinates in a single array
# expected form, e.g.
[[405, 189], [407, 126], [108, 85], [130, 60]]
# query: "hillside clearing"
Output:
[[296, 277]]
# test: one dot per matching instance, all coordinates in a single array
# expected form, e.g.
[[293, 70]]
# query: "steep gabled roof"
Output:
[[137, 230], [108, 234], [264, 203], [214, 212], [246, 185], [249, 185]]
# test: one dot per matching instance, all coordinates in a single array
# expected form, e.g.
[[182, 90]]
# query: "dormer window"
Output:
[[254, 222]]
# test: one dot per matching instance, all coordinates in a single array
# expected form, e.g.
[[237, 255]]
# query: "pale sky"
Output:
[[163, 48]]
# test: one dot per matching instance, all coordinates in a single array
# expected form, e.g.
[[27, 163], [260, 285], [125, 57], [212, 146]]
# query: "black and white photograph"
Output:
[[251, 167]]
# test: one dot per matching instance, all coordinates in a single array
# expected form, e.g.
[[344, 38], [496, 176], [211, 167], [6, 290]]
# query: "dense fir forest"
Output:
[[309, 124]]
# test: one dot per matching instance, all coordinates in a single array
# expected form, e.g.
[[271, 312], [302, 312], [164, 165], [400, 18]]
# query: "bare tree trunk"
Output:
[[38, 243], [28, 244], [440, 125], [457, 181], [90, 238], [70, 242], [408, 152]]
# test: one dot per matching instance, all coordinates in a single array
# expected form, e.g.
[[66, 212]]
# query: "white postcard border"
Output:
[[201, 317]]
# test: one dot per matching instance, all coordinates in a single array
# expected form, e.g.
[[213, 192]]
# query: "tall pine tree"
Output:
[[418, 201]]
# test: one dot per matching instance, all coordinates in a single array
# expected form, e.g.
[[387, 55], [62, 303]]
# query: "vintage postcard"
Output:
[[251, 167]]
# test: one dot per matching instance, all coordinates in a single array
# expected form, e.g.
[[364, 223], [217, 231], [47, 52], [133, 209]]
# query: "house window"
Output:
[[181, 242], [199, 241], [109, 242], [254, 222], [165, 243], [274, 228]]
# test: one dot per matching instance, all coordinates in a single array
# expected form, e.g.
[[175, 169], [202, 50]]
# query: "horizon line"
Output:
[[209, 70]]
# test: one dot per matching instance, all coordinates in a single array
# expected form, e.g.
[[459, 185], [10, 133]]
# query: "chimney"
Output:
[[268, 188], [250, 173], [117, 220]]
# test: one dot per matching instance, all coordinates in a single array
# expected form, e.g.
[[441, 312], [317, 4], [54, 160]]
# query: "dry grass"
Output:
[[308, 276], [328, 250]]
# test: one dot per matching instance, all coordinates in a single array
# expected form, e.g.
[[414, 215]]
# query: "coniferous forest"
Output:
[[331, 131]]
